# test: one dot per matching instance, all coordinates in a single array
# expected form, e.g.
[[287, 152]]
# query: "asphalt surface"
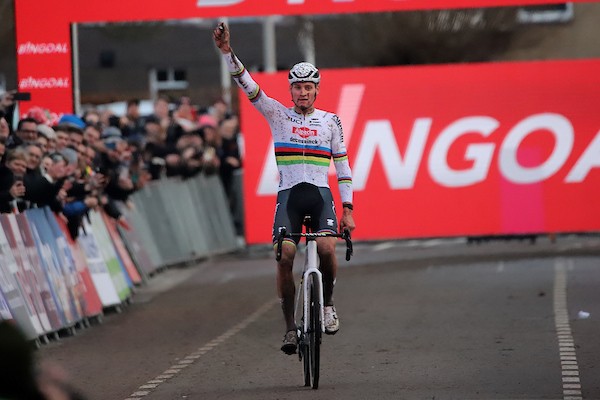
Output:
[[433, 319]]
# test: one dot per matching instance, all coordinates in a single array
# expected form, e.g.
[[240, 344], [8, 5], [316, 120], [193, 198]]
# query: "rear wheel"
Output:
[[314, 334]]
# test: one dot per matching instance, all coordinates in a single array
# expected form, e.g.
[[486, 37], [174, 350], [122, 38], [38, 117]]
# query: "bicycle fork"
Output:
[[310, 268]]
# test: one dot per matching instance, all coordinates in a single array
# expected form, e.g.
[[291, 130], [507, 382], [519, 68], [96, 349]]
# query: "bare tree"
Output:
[[421, 37]]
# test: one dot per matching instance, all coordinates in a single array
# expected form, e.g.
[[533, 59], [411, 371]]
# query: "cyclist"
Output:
[[305, 140]]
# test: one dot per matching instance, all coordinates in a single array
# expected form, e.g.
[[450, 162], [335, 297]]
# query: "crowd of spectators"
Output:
[[74, 163]]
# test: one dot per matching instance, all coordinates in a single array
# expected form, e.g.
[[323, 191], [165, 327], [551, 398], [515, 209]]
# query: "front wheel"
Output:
[[314, 334]]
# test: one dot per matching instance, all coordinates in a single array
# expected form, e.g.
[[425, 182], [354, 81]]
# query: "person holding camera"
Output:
[[11, 179]]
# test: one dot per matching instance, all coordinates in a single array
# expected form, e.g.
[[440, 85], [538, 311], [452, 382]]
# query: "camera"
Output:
[[21, 96]]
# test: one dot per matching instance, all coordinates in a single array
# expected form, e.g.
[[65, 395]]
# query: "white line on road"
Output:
[[188, 360], [569, 366]]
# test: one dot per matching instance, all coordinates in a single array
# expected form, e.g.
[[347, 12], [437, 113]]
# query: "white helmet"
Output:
[[304, 72]]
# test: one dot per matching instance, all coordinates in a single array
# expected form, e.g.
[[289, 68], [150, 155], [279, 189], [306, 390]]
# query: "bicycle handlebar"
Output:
[[344, 235]]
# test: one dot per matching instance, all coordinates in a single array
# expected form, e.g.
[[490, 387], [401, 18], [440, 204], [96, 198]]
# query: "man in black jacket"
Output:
[[46, 189]]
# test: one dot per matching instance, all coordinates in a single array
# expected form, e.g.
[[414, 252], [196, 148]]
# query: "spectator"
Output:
[[46, 190], [75, 137], [131, 124], [157, 149], [62, 137], [230, 153], [185, 115], [219, 110], [46, 138], [2, 149], [212, 144], [91, 117], [231, 164], [4, 126], [21, 378], [116, 164], [91, 134], [190, 149], [17, 369], [7, 108], [11, 178], [26, 132], [34, 159], [73, 126], [161, 112], [71, 156], [106, 116], [81, 192]]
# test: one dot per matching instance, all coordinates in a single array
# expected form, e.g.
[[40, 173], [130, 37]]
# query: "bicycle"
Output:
[[312, 325]]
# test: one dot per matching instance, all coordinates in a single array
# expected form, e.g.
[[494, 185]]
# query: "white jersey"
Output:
[[304, 144]]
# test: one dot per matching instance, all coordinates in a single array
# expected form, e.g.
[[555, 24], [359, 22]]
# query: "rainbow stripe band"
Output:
[[327, 231], [285, 240], [340, 157], [289, 154], [345, 180], [254, 95], [238, 73]]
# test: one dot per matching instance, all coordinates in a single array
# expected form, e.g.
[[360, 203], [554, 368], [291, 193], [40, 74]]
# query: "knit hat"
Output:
[[46, 131], [207, 120], [72, 120]]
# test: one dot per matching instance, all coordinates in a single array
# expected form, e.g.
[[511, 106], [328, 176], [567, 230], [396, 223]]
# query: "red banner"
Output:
[[139, 10], [44, 38], [504, 148]]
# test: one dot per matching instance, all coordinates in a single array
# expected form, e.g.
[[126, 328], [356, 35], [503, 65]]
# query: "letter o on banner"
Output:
[[562, 130]]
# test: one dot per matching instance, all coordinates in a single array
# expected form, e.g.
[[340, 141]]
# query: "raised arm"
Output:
[[267, 106], [237, 70]]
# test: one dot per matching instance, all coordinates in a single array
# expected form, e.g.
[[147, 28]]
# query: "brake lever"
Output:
[[349, 248], [282, 232]]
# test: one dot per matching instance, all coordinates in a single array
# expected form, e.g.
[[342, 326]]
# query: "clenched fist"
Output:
[[221, 36]]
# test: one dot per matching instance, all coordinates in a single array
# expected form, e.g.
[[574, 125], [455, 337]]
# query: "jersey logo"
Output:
[[303, 131]]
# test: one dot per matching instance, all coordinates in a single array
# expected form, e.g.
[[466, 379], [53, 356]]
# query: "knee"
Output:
[[288, 252], [326, 249]]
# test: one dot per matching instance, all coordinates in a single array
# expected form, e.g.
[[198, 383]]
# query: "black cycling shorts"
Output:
[[301, 200]]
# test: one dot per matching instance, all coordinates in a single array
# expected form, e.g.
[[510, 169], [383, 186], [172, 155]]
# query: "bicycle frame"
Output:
[[311, 266]]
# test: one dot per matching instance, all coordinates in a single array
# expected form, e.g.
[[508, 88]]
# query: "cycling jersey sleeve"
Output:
[[340, 160], [263, 103]]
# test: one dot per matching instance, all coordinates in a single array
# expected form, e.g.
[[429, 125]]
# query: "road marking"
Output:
[[500, 268], [188, 360], [566, 345], [383, 246]]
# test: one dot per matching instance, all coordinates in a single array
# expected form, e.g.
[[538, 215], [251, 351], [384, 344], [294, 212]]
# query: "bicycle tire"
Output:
[[303, 353], [314, 337], [306, 360]]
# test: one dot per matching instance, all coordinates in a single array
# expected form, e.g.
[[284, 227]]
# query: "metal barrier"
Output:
[[50, 282], [182, 220]]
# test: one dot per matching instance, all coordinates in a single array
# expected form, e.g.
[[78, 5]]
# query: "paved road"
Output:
[[436, 319]]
